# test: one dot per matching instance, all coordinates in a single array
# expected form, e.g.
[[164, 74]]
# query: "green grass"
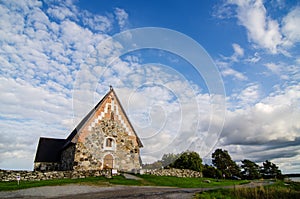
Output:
[[278, 190], [188, 182], [147, 180], [98, 181], [121, 180]]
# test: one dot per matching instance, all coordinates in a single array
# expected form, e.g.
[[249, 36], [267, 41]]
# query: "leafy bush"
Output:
[[188, 160]]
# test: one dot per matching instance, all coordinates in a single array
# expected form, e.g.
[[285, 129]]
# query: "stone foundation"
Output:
[[9, 175]]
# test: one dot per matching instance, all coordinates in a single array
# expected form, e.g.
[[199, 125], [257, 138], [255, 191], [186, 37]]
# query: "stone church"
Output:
[[104, 139]]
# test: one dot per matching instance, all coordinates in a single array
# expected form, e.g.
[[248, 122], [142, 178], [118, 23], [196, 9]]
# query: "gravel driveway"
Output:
[[84, 191]]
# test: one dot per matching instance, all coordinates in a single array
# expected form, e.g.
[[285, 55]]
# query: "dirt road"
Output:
[[84, 191]]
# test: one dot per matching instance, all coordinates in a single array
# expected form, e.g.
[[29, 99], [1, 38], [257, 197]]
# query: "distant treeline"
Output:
[[292, 175], [222, 166]]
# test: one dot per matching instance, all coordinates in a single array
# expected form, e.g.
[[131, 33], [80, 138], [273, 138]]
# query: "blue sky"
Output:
[[57, 60]]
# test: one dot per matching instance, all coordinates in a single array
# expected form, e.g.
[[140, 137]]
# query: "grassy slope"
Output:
[[120, 180], [278, 190], [188, 182], [98, 181]]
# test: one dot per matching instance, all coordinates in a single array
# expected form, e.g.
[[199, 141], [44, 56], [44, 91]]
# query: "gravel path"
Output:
[[131, 177], [84, 191], [51, 191]]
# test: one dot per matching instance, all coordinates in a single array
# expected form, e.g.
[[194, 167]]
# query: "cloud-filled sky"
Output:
[[57, 60]]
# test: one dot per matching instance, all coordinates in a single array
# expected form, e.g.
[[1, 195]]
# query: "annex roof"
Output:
[[49, 150]]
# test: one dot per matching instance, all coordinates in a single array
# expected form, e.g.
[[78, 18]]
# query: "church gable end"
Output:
[[104, 139]]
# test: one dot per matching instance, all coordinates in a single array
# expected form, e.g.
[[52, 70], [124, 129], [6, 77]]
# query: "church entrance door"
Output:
[[108, 162]]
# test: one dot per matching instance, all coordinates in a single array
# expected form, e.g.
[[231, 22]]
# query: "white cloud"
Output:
[[253, 59], [28, 112], [222, 11], [42, 54], [43, 47], [249, 95], [261, 28], [290, 27], [96, 22], [265, 129], [122, 18], [264, 31], [225, 63], [238, 50], [62, 12], [231, 72], [25, 101], [273, 67], [285, 71]]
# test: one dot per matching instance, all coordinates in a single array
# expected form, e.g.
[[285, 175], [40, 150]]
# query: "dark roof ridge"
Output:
[[138, 139]]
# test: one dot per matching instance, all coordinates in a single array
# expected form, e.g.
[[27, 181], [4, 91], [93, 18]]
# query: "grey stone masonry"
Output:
[[182, 173], [10, 175], [90, 153]]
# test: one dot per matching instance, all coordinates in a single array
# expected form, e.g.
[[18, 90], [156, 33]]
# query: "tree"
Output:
[[222, 161], [211, 172], [270, 170], [250, 170], [188, 160], [154, 165], [169, 158]]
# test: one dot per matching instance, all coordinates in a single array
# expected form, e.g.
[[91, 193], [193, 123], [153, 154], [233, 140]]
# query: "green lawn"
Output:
[[147, 180], [189, 182], [278, 190], [98, 181]]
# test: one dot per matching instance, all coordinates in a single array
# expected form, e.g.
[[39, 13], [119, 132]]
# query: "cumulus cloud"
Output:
[[54, 60], [290, 27], [248, 96], [264, 31], [284, 71], [238, 51], [225, 63], [162, 105], [275, 116], [254, 58], [122, 17], [28, 112], [266, 129], [44, 44]]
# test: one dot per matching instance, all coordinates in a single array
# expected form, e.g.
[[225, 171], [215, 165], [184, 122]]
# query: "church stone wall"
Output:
[[84, 159], [91, 150], [46, 166], [67, 158]]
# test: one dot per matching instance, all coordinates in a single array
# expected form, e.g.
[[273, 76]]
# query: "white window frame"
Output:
[[113, 146]]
